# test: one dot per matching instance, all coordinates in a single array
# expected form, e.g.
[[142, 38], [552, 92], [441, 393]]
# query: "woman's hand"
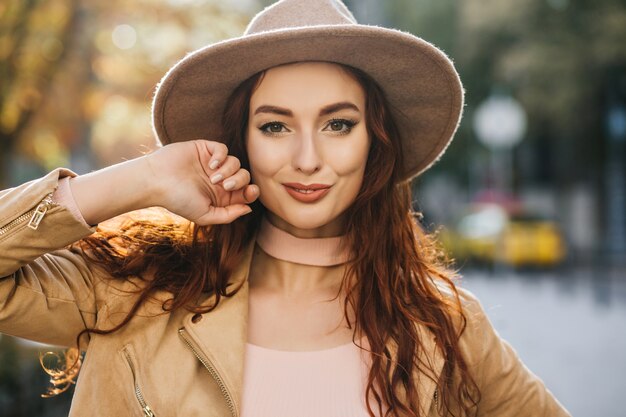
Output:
[[182, 177], [198, 180]]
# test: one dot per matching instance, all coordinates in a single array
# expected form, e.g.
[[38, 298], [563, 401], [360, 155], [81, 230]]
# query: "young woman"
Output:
[[301, 283]]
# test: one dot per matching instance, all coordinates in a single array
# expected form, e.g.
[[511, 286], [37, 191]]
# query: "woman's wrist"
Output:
[[111, 191]]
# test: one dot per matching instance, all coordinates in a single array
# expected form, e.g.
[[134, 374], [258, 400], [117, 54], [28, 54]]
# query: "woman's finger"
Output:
[[246, 195], [250, 193], [239, 180], [218, 152], [227, 169]]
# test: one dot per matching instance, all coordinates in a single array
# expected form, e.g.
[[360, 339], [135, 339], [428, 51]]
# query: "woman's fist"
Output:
[[198, 180]]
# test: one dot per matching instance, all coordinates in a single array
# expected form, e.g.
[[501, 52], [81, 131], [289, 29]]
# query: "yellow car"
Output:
[[487, 233]]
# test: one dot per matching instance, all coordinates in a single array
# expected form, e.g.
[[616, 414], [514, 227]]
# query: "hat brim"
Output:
[[419, 80]]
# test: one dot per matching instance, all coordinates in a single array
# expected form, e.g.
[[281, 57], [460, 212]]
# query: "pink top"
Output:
[[329, 382]]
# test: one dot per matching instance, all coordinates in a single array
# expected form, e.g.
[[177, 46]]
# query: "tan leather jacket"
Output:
[[179, 364]]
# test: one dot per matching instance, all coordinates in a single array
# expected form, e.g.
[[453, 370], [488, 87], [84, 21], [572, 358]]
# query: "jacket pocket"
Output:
[[130, 360]]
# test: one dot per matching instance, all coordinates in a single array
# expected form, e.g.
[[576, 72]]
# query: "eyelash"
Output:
[[347, 122]]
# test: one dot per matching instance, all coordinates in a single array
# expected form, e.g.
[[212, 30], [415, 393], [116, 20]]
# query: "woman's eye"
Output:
[[335, 125], [341, 125], [272, 127]]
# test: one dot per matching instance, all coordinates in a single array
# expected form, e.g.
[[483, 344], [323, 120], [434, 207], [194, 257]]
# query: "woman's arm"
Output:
[[32, 223], [48, 293], [117, 189], [197, 180]]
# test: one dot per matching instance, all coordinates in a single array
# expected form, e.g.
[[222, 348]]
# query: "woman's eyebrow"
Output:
[[273, 109], [328, 109], [332, 108]]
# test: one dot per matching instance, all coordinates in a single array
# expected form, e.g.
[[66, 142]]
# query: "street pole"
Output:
[[500, 124]]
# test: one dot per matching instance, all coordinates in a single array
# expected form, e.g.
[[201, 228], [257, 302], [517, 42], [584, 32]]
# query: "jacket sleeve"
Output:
[[46, 291], [508, 387]]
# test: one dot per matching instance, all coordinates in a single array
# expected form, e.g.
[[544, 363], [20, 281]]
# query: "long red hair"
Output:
[[392, 283]]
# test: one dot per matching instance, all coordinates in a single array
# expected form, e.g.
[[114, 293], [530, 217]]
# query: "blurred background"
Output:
[[530, 199]]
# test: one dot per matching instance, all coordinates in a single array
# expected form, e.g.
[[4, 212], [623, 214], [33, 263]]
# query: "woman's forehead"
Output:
[[306, 84]]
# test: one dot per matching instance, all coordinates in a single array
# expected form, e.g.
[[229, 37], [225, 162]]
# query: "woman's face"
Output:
[[307, 144]]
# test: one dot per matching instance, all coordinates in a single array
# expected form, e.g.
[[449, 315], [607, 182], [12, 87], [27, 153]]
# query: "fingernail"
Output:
[[216, 178], [214, 164], [229, 185]]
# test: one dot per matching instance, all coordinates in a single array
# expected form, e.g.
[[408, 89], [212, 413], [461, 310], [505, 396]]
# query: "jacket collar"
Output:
[[221, 336]]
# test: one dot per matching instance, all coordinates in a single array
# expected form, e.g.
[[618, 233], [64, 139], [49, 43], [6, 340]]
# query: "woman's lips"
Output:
[[307, 193]]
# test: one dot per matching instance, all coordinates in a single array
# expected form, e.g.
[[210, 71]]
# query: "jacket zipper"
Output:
[[436, 397], [147, 411], [212, 371], [35, 215]]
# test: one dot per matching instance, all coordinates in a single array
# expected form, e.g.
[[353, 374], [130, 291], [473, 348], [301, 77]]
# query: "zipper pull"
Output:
[[147, 412], [40, 212]]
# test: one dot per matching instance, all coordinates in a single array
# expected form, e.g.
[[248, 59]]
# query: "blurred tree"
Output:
[[434, 20], [555, 56], [33, 39], [89, 106]]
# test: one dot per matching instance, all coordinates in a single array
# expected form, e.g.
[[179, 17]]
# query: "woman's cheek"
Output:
[[264, 159], [348, 159]]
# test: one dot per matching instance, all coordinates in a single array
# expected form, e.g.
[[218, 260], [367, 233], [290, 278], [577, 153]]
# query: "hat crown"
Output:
[[299, 13]]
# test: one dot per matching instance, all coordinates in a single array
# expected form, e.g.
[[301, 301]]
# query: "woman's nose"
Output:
[[306, 157]]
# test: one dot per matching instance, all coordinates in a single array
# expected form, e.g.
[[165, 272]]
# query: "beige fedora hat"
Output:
[[419, 80]]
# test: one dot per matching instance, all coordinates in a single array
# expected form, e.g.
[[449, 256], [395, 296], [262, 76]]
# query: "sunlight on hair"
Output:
[[63, 370]]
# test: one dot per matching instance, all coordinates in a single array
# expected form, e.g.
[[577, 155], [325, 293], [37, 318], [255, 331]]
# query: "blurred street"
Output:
[[568, 328]]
